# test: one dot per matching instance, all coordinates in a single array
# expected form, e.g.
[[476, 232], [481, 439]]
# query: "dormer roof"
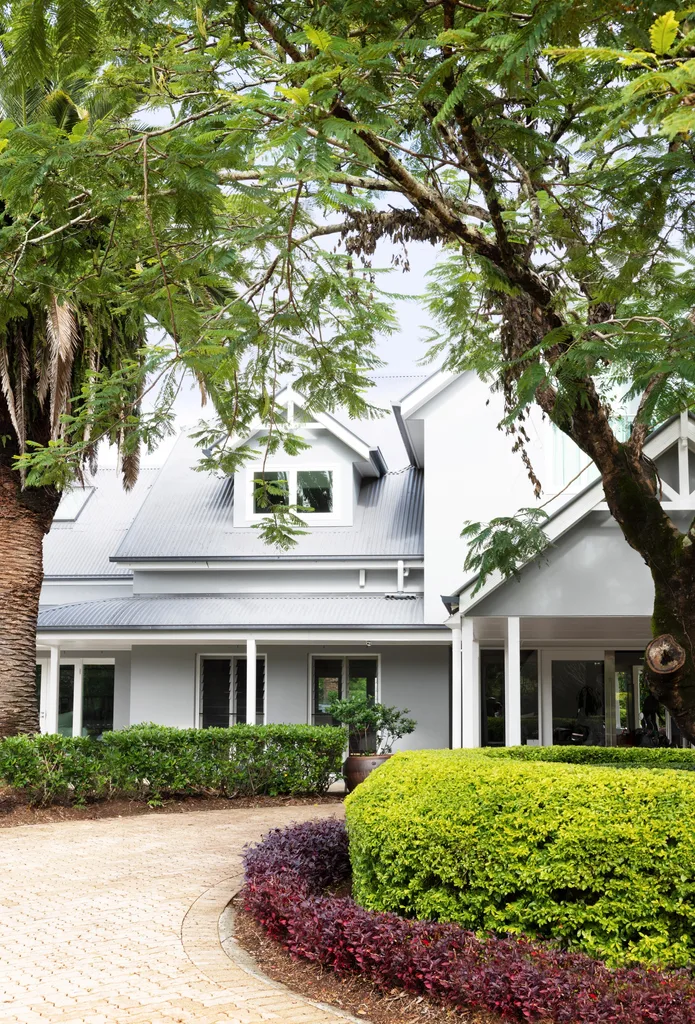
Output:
[[189, 516]]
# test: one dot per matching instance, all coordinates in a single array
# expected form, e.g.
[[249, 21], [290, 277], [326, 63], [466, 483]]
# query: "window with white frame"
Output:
[[313, 490], [222, 691], [339, 676]]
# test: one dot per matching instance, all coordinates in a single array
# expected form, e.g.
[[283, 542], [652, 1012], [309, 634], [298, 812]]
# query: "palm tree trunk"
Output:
[[25, 517]]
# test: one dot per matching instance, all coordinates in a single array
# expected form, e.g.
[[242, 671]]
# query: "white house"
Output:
[[165, 605]]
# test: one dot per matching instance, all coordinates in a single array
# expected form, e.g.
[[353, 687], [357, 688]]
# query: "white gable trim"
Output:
[[426, 391], [592, 498], [289, 399]]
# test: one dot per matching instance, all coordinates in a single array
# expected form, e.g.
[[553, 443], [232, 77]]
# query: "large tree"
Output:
[[126, 267], [561, 209]]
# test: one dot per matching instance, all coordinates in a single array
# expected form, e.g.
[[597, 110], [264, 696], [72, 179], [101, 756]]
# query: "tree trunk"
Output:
[[25, 517], [669, 658]]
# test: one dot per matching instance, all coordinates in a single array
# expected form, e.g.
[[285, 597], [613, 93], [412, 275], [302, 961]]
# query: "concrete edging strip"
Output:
[[207, 937]]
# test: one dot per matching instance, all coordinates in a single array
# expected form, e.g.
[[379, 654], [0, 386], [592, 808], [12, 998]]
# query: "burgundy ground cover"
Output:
[[287, 878]]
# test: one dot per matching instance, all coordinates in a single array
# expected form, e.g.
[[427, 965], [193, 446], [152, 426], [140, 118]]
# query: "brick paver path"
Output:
[[117, 920]]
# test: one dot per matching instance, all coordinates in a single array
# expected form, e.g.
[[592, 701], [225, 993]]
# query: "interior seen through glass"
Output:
[[97, 699], [222, 706], [315, 490], [578, 702], [341, 677]]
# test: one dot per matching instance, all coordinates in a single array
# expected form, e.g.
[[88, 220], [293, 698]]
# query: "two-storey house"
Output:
[[165, 604]]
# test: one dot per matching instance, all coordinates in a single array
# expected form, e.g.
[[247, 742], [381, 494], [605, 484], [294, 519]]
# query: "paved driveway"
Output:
[[116, 920]]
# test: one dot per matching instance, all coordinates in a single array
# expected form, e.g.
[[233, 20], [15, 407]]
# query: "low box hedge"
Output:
[[288, 881], [620, 757], [149, 762], [591, 857]]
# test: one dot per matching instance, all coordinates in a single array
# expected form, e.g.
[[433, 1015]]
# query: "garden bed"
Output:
[[15, 810], [350, 993], [288, 881]]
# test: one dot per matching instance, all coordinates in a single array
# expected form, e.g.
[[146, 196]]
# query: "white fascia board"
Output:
[[426, 391], [592, 499], [321, 419], [345, 435], [283, 563], [125, 639]]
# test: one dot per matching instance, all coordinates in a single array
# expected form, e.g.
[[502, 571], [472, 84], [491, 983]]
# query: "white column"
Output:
[[77, 693], [512, 683], [52, 691], [470, 669], [251, 680], [683, 468], [456, 688]]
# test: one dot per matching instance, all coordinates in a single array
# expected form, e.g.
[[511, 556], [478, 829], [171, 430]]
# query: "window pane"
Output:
[[215, 686], [315, 490], [269, 489], [241, 690], [328, 680], [640, 720], [492, 698], [66, 691], [578, 717], [362, 677], [38, 685], [529, 696], [97, 699]]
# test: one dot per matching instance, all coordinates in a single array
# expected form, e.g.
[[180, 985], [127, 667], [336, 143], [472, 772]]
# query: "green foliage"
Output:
[[620, 757], [505, 544], [224, 174], [592, 857], [150, 762], [372, 727]]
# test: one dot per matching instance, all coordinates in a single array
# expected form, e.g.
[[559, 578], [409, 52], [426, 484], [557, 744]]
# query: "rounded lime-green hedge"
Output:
[[596, 858]]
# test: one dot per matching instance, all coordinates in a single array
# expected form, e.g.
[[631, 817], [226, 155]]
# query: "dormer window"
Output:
[[270, 488], [313, 489]]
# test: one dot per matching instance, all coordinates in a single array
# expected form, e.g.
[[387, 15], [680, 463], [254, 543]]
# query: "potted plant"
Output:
[[372, 730]]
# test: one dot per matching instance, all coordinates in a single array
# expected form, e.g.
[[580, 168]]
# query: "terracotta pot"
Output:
[[358, 766]]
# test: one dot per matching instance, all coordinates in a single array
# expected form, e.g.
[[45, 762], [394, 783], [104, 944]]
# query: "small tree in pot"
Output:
[[372, 730]]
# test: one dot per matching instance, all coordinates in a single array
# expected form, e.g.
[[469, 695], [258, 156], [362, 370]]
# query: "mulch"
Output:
[[352, 993], [15, 810]]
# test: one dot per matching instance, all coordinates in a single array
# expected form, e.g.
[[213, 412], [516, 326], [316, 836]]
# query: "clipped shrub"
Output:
[[152, 761], [518, 980], [594, 858], [54, 768], [619, 757]]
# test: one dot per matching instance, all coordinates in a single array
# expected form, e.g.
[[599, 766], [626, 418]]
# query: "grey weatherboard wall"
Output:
[[412, 676]]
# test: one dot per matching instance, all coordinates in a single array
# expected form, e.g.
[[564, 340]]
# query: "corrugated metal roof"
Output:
[[190, 515], [229, 611], [83, 547]]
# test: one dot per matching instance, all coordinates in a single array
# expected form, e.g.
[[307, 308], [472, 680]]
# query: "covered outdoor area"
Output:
[[90, 682], [542, 680]]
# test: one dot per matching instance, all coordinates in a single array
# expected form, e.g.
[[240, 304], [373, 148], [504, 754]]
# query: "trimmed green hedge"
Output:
[[149, 762], [596, 859], [620, 757]]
